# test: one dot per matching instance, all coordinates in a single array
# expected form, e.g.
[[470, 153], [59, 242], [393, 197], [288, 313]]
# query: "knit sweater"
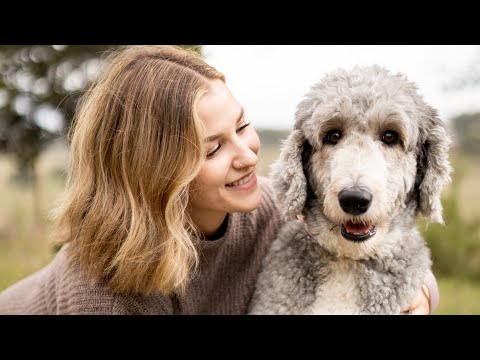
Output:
[[227, 274]]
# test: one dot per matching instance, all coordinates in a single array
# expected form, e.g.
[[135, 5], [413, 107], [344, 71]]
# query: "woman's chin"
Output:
[[252, 202]]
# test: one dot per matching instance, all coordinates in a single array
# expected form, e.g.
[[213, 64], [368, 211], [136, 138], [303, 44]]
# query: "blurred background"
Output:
[[40, 85]]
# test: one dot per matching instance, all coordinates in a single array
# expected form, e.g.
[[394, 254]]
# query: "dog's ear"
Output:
[[433, 166], [288, 178]]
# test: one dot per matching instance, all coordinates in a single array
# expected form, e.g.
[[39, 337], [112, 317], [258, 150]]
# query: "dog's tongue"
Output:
[[359, 228]]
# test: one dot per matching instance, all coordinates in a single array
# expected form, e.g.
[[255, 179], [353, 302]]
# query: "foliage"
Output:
[[467, 129], [456, 246], [39, 89], [38, 81]]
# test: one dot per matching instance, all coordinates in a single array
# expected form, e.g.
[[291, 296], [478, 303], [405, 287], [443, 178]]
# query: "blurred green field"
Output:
[[24, 244], [458, 296]]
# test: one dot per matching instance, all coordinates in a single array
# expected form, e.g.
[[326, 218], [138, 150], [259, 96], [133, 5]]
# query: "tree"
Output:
[[39, 89], [467, 130]]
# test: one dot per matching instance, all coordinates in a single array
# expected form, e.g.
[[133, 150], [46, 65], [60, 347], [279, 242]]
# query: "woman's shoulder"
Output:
[[61, 287], [76, 293], [28, 295]]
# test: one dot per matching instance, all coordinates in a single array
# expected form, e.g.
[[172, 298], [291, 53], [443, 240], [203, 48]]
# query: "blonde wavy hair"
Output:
[[136, 145]]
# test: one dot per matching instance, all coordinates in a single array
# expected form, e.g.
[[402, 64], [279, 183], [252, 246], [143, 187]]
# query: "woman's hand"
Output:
[[420, 304]]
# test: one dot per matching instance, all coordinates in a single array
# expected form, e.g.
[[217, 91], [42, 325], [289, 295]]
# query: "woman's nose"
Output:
[[246, 157]]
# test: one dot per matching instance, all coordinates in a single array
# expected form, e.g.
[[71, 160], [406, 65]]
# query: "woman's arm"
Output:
[[431, 287], [427, 299]]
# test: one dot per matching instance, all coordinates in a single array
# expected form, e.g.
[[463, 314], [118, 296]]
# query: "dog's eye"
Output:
[[390, 137], [332, 137]]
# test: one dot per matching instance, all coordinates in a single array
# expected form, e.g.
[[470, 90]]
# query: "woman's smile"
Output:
[[245, 183]]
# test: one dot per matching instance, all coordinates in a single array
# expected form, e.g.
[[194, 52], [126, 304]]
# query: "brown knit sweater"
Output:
[[228, 270]]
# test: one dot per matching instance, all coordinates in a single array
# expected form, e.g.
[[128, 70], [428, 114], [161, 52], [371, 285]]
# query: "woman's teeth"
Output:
[[241, 181]]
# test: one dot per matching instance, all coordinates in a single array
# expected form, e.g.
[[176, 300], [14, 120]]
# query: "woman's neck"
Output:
[[210, 223]]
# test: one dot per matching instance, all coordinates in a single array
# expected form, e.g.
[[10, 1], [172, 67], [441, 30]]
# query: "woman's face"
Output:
[[227, 181]]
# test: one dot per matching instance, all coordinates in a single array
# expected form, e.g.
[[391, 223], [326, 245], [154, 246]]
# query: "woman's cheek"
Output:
[[254, 142]]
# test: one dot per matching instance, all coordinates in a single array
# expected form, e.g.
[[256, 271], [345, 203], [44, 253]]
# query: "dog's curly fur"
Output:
[[311, 268]]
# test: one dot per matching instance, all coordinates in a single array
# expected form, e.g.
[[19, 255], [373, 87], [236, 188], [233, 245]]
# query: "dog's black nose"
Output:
[[354, 200]]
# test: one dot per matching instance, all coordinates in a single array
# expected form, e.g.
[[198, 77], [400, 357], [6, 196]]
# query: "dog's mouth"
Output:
[[357, 231]]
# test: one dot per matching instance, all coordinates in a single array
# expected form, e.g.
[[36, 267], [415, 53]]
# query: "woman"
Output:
[[158, 220]]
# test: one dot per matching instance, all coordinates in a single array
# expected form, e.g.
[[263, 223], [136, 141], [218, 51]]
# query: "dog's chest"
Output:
[[339, 293]]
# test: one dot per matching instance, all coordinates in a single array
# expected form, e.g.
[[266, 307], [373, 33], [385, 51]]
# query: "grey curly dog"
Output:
[[366, 156]]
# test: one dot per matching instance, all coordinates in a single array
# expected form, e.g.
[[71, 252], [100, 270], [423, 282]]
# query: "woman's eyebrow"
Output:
[[215, 137]]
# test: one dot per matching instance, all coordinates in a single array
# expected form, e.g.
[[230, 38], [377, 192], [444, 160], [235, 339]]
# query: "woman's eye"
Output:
[[390, 137], [212, 151], [241, 128], [332, 137]]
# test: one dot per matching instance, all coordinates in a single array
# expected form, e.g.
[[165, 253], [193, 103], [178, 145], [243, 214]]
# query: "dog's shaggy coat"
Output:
[[365, 132]]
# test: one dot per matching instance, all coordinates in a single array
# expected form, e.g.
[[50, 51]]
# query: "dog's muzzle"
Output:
[[355, 201], [357, 231]]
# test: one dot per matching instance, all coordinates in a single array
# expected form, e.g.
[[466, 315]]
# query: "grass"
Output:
[[458, 297], [469, 195], [22, 258], [24, 246]]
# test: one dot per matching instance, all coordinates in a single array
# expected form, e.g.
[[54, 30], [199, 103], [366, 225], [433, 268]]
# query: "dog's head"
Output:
[[365, 149]]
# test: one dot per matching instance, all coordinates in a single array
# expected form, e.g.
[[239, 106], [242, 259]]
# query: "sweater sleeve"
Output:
[[432, 286], [26, 297]]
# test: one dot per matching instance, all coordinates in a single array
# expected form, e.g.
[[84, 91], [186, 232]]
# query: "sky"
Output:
[[269, 81]]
